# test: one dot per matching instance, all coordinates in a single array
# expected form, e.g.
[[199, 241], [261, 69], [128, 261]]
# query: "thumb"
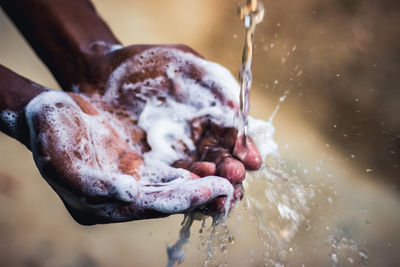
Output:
[[179, 196]]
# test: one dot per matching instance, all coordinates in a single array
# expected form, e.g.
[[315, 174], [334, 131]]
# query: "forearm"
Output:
[[66, 34], [15, 94]]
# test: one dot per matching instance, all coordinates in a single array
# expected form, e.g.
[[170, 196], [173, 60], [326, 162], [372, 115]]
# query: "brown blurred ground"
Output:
[[339, 59]]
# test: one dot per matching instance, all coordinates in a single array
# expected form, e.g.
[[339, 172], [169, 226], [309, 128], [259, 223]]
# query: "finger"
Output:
[[232, 169], [244, 149], [199, 168], [247, 152], [175, 197], [157, 202], [203, 168], [211, 150], [218, 206], [183, 164]]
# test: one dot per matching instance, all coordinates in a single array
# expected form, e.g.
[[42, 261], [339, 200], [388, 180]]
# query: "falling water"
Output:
[[252, 13], [277, 201]]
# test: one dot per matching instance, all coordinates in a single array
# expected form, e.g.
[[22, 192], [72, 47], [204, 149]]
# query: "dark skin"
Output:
[[76, 45]]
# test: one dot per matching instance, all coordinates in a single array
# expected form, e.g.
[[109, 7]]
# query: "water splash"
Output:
[[278, 201], [175, 252], [281, 100], [346, 251]]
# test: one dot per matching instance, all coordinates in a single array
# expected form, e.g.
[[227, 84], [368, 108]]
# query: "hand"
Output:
[[110, 148], [92, 147]]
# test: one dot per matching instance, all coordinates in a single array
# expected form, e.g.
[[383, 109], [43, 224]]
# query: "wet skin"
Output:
[[217, 152]]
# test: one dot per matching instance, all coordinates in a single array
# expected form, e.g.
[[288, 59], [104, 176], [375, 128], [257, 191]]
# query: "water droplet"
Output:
[[223, 248], [350, 260], [363, 210], [334, 258], [286, 146]]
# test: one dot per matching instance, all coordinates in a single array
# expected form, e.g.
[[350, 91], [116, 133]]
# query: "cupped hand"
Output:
[[147, 132]]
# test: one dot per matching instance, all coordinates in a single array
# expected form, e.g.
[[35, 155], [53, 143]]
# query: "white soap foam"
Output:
[[166, 121], [173, 63], [164, 117], [262, 134], [182, 192], [89, 162]]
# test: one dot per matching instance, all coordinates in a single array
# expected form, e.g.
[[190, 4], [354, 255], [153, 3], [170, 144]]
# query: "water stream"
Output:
[[277, 202], [252, 13]]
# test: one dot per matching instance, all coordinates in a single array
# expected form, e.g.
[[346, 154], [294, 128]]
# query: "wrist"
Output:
[[15, 93], [65, 34]]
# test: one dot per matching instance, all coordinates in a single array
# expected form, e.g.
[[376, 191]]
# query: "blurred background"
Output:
[[338, 131]]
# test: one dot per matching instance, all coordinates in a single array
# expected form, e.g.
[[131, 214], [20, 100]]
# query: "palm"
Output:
[[108, 149]]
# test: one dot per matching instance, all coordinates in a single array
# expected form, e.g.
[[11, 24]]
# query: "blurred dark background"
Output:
[[340, 59], [338, 130]]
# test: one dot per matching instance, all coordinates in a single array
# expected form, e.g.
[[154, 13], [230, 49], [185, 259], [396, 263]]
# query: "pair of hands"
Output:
[[91, 144], [90, 150]]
